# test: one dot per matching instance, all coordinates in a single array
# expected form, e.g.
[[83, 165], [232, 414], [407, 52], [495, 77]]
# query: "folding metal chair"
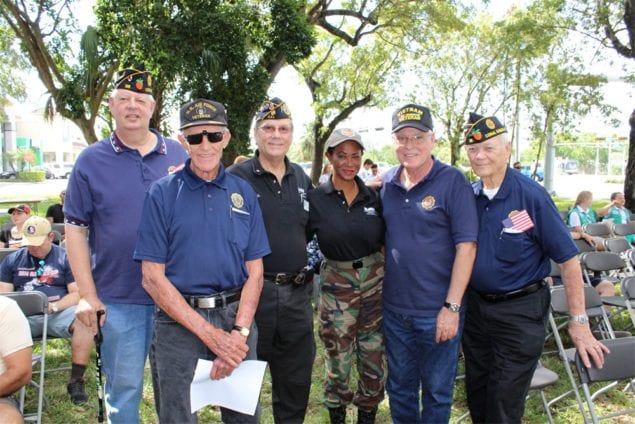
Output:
[[5, 251], [626, 300], [34, 303], [624, 229], [583, 246], [609, 265], [597, 229], [617, 245], [619, 364]]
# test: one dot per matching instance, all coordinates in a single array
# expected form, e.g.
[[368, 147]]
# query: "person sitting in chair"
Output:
[[44, 267]]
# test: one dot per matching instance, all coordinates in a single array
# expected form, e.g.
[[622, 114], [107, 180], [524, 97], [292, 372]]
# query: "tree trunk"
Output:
[[318, 152], [88, 130], [629, 178]]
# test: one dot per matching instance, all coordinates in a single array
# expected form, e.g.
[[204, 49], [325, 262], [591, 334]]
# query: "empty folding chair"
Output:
[[607, 264], [626, 300], [617, 245], [34, 303], [543, 378], [619, 364], [624, 229]]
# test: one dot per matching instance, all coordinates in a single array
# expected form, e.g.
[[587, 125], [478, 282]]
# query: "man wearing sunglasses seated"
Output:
[[44, 267], [201, 241]]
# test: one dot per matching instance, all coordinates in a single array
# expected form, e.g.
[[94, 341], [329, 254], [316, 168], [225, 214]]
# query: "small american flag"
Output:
[[520, 221]]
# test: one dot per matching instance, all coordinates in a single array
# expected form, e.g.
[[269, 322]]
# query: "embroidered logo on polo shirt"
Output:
[[237, 200], [428, 202], [370, 211]]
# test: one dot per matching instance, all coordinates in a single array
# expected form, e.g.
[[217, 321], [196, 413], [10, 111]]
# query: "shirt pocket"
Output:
[[240, 228], [509, 247]]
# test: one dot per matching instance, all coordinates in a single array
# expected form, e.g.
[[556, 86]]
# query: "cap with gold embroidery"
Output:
[[482, 128], [274, 108], [202, 112], [135, 79], [412, 115]]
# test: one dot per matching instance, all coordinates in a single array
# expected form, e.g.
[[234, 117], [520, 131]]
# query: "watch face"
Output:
[[244, 332]]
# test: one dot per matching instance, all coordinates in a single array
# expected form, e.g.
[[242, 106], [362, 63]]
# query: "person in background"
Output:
[[517, 166], [43, 266], [431, 230], [365, 172], [508, 300], [102, 211], [11, 234], [201, 216], [346, 217], [375, 180], [327, 171], [617, 213], [55, 212], [284, 316], [15, 358], [581, 214]]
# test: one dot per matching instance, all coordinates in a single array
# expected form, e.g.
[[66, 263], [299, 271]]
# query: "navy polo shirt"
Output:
[[423, 227], [21, 270], [346, 232], [202, 231], [285, 210], [505, 260], [105, 194]]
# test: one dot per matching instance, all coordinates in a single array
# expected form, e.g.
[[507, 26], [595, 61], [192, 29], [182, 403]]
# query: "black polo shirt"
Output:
[[346, 232], [285, 210]]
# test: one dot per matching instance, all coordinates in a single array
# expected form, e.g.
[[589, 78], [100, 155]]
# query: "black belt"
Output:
[[282, 278], [514, 294], [216, 301]]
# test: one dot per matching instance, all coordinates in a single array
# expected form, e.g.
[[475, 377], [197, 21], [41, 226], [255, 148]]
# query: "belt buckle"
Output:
[[357, 264], [280, 278], [206, 302]]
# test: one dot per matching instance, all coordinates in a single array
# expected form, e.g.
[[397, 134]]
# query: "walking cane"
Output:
[[99, 337]]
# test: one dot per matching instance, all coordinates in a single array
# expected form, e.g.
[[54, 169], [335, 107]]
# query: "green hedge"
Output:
[[32, 175]]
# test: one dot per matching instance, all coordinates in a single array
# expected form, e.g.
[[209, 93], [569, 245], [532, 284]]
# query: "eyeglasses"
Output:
[[40, 269], [270, 129], [402, 140], [212, 137]]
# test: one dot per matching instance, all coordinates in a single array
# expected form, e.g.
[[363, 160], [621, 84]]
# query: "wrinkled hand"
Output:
[[447, 325], [588, 347], [86, 312], [231, 349]]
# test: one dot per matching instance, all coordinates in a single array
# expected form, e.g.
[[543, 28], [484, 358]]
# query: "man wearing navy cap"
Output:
[[431, 231], [508, 300], [102, 211], [285, 315], [201, 240]]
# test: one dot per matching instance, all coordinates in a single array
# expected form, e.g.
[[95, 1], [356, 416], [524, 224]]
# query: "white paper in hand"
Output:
[[238, 392]]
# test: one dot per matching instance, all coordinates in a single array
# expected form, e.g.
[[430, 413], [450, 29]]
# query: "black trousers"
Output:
[[285, 340], [502, 343]]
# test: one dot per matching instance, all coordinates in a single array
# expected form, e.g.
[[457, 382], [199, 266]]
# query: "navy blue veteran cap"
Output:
[[412, 115], [274, 108], [482, 128], [202, 112], [135, 79]]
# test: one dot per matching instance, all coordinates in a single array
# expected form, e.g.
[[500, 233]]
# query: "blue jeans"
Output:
[[175, 354], [127, 336], [416, 362]]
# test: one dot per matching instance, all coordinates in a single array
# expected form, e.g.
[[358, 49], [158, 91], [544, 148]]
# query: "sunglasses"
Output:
[[213, 137]]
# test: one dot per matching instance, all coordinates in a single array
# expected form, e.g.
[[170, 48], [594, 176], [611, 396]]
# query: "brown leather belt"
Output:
[[514, 294]]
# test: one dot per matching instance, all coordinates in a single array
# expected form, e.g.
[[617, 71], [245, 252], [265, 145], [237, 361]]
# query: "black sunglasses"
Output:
[[213, 137]]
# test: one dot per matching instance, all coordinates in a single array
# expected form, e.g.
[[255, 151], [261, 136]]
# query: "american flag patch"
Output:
[[519, 221]]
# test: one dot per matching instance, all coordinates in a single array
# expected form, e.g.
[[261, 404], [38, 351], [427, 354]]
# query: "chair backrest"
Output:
[[617, 245], [59, 227], [628, 287], [6, 251], [602, 261], [555, 269], [618, 364], [597, 229], [583, 246], [31, 302], [624, 229], [564, 215], [560, 305], [57, 237]]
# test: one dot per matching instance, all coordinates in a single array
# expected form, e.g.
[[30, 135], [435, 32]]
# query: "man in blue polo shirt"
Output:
[[508, 300], [431, 230], [102, 211], [201, 240]]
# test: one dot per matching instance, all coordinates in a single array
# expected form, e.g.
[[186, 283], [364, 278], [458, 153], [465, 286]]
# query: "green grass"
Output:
[[61, 410]]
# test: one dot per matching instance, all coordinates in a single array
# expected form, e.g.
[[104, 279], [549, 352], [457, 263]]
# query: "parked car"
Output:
[[48, 171], [528, 170], [62, 170], [570, 166], [8, 175]]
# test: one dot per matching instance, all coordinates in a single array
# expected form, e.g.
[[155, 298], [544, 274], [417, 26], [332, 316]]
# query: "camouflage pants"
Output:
[[350, 314]]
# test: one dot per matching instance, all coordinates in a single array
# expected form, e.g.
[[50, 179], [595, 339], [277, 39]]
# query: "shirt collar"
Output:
[[259, 170], [194, 181], [118, 146], [363, 188]]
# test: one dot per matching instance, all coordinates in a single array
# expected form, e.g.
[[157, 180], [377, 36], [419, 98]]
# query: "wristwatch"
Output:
[[244, 331], [580, 319], [54, 307], [453, 307]]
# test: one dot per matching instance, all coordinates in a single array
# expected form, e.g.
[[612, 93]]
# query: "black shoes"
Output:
[[366, 417], [338, 415], [77, 392]]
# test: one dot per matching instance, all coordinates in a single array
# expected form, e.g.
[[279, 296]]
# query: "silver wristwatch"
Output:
[[580, 319], [453, 307]]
